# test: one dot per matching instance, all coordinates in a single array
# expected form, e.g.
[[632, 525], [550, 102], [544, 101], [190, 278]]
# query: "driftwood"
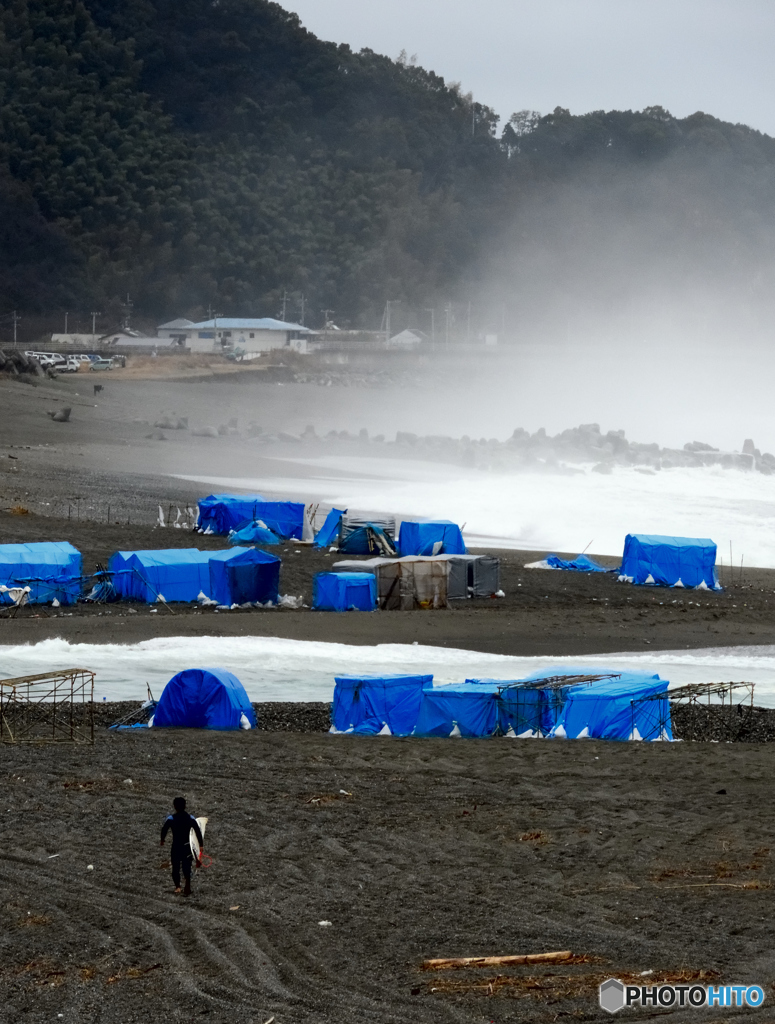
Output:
[[446, 963]]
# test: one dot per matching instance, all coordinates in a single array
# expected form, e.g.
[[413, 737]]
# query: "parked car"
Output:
[[101, 364], [70, 365]]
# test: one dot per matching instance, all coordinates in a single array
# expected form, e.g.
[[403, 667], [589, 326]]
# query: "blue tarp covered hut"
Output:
[[343, 591], [465, 709], [204, 698], [247, 575], [437, 537], [51, 569], [254, 532], [176, 574], [329, 531], [219, 513], [669, 561], [616, 709], [377, 704]]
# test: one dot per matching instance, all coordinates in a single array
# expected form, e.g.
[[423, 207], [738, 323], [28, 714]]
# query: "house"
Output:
[[407, 338], [231, 334], [127, 338]]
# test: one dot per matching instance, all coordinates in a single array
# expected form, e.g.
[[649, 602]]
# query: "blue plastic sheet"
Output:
[[669, 561], [372, 704], [616, 709], [51, 569], [367, 540], [581, 563], [329, 532], [416, 538], [344, 591], [248, 575], [466, 709], [254, 533], [203, 698], [177, 574], [220, 513]]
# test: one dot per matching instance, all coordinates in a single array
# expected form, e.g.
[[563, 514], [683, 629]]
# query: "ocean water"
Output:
[[274, 669], [545, 511]]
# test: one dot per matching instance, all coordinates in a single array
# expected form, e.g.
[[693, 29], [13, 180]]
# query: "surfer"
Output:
[[182, 824]]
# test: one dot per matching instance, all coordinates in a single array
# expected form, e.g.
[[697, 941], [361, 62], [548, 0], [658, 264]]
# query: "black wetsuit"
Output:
[[181, 823]]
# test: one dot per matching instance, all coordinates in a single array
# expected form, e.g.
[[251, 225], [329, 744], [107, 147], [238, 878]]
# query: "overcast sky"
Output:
[[686, 55]]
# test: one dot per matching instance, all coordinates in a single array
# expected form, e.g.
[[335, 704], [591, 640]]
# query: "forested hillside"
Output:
[[188, 152]]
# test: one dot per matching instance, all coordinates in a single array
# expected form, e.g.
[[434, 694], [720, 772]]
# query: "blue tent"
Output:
[[669, 561], [616, 709], [51, 569], [375, 704], [247, 575], [422, 538], [329, 531], [177, 574], [465, 709], [370, 539], [342, 591], [254, 532], [581, 563], [204, 698], [219, 513]]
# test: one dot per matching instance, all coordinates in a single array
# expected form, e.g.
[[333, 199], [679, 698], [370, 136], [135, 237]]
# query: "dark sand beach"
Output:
[[635, 858]]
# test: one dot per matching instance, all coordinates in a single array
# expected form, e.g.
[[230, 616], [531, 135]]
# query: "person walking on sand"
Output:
[[180, 824]]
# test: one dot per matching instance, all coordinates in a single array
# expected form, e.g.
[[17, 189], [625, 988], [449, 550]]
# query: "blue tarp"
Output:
[[614, 709], [342, 591], [329, 531], [51, 569], [581, 563], [372, 704], [203, 698], [669, 561], [253, 533], [367, 540], [248, 575], [177, 574], [420, 538], [220, 513], [465, 709]]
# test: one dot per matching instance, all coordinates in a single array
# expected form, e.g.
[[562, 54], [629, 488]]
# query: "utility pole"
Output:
[[128, 312], [66, 315], [16, 319], [433, 326], [94, 328], [285, 303], [302, 310], [212, 315], [388, 304]]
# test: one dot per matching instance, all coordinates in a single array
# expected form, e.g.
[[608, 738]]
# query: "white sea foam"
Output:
[[547, 511], [275, 669]]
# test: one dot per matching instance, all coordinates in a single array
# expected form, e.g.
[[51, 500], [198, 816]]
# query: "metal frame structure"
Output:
[[700, 695], [52, 707], [551, 699]]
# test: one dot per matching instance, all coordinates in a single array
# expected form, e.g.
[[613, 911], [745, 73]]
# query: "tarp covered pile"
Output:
[[204, 698], [669, 561], [371, 705], [581, 563], [232, 576], [52, 570]]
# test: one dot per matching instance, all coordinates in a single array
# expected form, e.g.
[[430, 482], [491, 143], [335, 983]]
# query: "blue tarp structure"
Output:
[[51, 569], [180, 574], [581, 563], [465, 709], [669, 561], [254, 532], [220, 513], [329, 532], [377, 704], [248, 575], [370, 539], [204, 698], [343, 591], [614, 709], [421, 538]]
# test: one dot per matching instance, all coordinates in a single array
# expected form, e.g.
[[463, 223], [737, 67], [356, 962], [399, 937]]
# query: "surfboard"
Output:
[[202, 823]]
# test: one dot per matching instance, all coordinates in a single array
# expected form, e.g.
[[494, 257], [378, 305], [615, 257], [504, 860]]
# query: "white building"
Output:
[[232, 334]]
